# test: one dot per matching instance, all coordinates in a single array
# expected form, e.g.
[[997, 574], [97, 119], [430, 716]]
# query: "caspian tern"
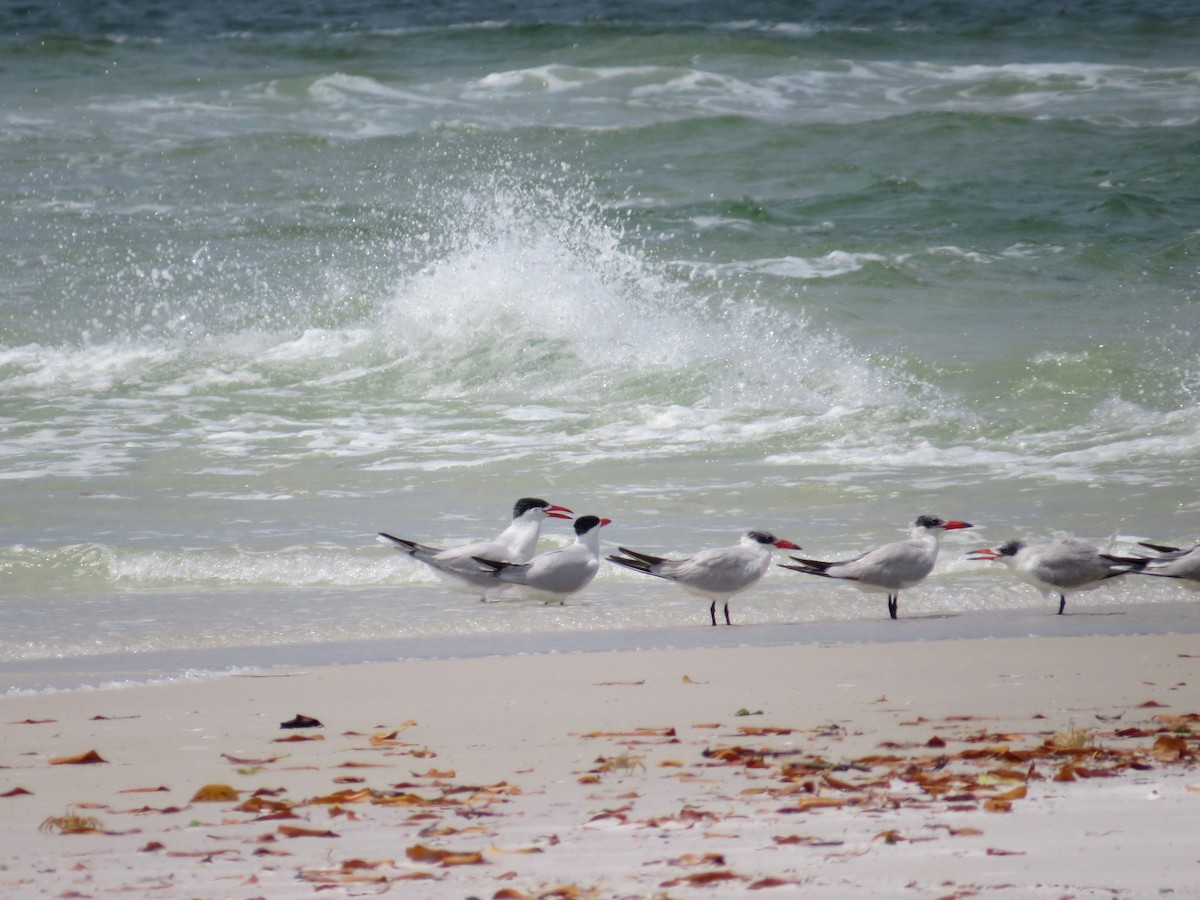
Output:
[[1060, 567], [555, 575], [891, 568], [1174, 562], [717, 573], [457, 567]]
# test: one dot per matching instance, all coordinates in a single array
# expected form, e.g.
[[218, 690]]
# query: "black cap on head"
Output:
[[929, 522], [584, 524], [763, 537], [525, 504], [1011, 548]]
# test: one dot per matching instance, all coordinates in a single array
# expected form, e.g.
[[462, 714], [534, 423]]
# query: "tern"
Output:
[[717, 573], [457, 567], [555, 575], [891, 568], [1060, 567], [1173, 562]]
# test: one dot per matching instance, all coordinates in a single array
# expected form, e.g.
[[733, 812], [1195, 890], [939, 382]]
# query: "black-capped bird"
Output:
[[555, 575], [457, 568], [1059, 567], [891, 568], [717, 573]]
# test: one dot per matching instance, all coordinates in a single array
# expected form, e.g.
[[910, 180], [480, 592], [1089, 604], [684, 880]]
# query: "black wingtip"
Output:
[[642, 557], [638, 565], [1161, 548], [494, 564]]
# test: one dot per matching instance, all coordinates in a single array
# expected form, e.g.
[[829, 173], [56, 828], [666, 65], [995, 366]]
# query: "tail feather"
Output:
[[642, 557], [807, 571], [494, 564], [404, 545], [815, 566], [1136, 563], [1161, 548], [638, 565]]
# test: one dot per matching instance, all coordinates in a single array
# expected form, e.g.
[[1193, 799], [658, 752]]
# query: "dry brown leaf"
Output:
[[83, 759], [441, 774], [636, 733], [422, 854], [259, 804], [520, 851], [770, 882], [809, 803], [17, 792], [345, 796], [698, 879], [297, 738], [1017, 793], [293, 832], [215, 793], [1169, 748], [142, 810], [995, 851], [401, 799], [33, 722], [391, 739], [146, 790]]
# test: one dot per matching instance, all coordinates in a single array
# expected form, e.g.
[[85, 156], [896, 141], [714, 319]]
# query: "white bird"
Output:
[[717, 573], [555, 575], [1060, 567], [457, 568], [1174, 562], [891, 568]]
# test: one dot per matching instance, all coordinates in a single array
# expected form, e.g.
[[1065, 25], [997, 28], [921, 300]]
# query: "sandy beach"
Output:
[[1014, 767]]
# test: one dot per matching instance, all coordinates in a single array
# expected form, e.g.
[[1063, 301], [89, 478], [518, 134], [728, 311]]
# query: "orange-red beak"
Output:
[[558, 512], [954, 524], [986, 554]]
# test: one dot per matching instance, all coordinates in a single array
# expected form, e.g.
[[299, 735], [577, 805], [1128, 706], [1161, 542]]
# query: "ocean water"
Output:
[[277, 276]]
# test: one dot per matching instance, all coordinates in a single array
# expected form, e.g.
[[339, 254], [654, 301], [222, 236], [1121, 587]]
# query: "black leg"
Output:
[[727, 622], [1062, 603], [712, 611], [893, 604]]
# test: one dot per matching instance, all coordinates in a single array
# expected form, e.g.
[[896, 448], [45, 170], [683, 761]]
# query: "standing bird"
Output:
[[556, 574], [1060, 567], [891, 568], [457, 568], [717, 573], [1174, 562]]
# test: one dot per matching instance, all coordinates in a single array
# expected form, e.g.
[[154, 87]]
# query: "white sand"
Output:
[[915, 770]]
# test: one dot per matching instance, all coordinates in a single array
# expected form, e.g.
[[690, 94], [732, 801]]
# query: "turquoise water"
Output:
[[279, 276]]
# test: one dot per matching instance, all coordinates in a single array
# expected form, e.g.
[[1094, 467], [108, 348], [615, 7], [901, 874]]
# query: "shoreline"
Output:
[[120, 670], [1021, 766]]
